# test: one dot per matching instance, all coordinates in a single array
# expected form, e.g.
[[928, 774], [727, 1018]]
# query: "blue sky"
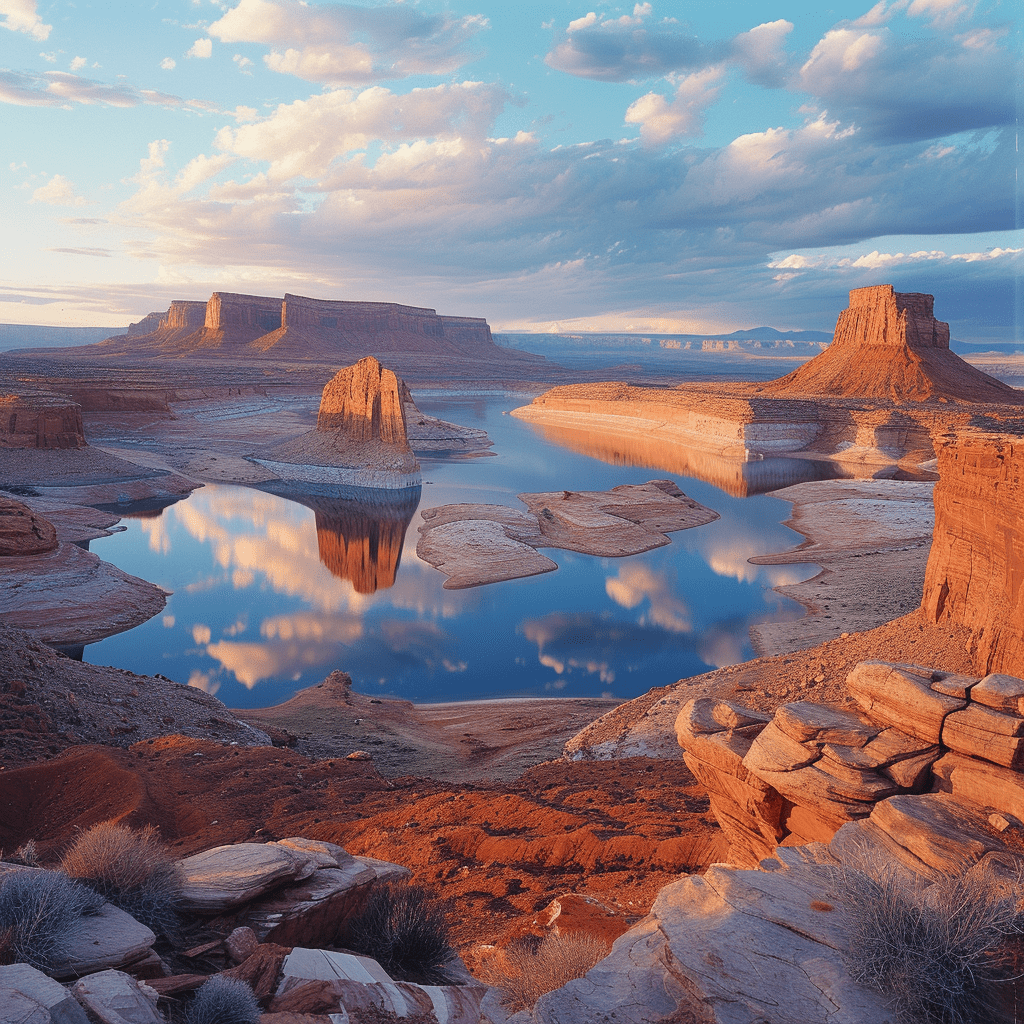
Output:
[[661, 166]]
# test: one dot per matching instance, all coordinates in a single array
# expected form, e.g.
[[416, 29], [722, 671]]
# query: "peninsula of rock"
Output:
[[360, 436], [873, 403]]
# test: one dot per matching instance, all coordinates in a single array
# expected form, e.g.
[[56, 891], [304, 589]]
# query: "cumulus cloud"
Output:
[[637, 584], [168, 64], [662, 120], [944, 85], [306, 137], [201, 49], [625, 49], [23, 16], [761, 54], [58, 191], [345, 44]]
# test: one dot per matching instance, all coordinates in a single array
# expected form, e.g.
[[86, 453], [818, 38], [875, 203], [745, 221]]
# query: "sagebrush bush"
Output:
[[936, 951], [526, 969], [132, 869], [405, 929], [38, 910], [223, 1001]]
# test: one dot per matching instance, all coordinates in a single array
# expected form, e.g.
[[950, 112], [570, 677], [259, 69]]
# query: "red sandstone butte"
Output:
[[975, 574], [40, 419], [22, 532], [365, 403], [889, 345]]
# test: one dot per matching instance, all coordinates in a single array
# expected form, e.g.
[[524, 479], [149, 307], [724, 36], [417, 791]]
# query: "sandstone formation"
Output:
[[360, 436], [878, 396], [22, 532], [889, 345], [40, 419], [477, 544], [300, 328], [975, 574], [810, 771]]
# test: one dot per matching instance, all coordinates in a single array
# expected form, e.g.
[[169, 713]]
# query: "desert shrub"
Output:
[[38, 909], [131, 869], [223, 1000], [526, 969], [405, 929], [937, 951]]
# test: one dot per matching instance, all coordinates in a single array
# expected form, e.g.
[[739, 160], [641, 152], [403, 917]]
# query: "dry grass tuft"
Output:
[[937, 951], [526, 969], [132, 869]]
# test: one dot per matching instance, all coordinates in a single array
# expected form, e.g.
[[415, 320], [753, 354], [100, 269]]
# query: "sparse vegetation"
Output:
[[223, 1000], [38, 909], [131, 869], [405, 929], [526, 969], [937, 951]]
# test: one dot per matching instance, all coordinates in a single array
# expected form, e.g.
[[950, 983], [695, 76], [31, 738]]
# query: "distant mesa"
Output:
[[360, 436], [889, 345], [301, 328]]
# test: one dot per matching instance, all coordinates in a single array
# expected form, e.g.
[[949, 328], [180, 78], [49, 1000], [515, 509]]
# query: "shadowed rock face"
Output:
[[40, 420], [889, 345], [22, 532], [975, 573]]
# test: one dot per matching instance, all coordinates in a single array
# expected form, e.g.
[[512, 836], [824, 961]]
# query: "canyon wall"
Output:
[[975, 573], [40, 420]]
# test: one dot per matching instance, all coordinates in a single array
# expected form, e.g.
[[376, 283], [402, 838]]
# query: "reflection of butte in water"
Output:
[[361, 540], [732, 475]]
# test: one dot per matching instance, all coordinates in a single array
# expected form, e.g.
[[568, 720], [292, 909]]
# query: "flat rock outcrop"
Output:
[[360, 437], [975, 574], [477, 544], [40, 419]]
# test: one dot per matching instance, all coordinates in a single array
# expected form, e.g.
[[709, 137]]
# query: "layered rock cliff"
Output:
[[40, 420], [360, 437], [888, 345], [975, 574]]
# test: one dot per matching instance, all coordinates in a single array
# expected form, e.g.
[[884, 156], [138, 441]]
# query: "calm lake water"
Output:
[[270, 595]]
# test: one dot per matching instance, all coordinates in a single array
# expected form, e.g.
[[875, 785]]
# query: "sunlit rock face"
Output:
[[364, 401], [888, 345], [975, 573], [23, 532], [40, 420]]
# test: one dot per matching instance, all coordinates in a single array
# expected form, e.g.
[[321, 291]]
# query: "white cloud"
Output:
[[78, 63], [662, 121], [201, 634], [306, 137], [201, 49], [637, 583], [761, 53], [345, 44], [58, 191], [942, 12], [243, 63], [585, 22], [22, 16], [168, 64]]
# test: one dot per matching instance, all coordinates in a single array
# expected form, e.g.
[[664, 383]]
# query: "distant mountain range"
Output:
[[14, 336]]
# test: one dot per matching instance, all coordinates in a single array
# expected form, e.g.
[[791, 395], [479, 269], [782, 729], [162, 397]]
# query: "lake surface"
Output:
[[270, 595]]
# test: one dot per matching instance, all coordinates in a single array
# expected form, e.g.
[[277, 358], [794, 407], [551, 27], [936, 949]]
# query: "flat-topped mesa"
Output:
[[889, 345], [300, 328], [364, 402], [40, 419]]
